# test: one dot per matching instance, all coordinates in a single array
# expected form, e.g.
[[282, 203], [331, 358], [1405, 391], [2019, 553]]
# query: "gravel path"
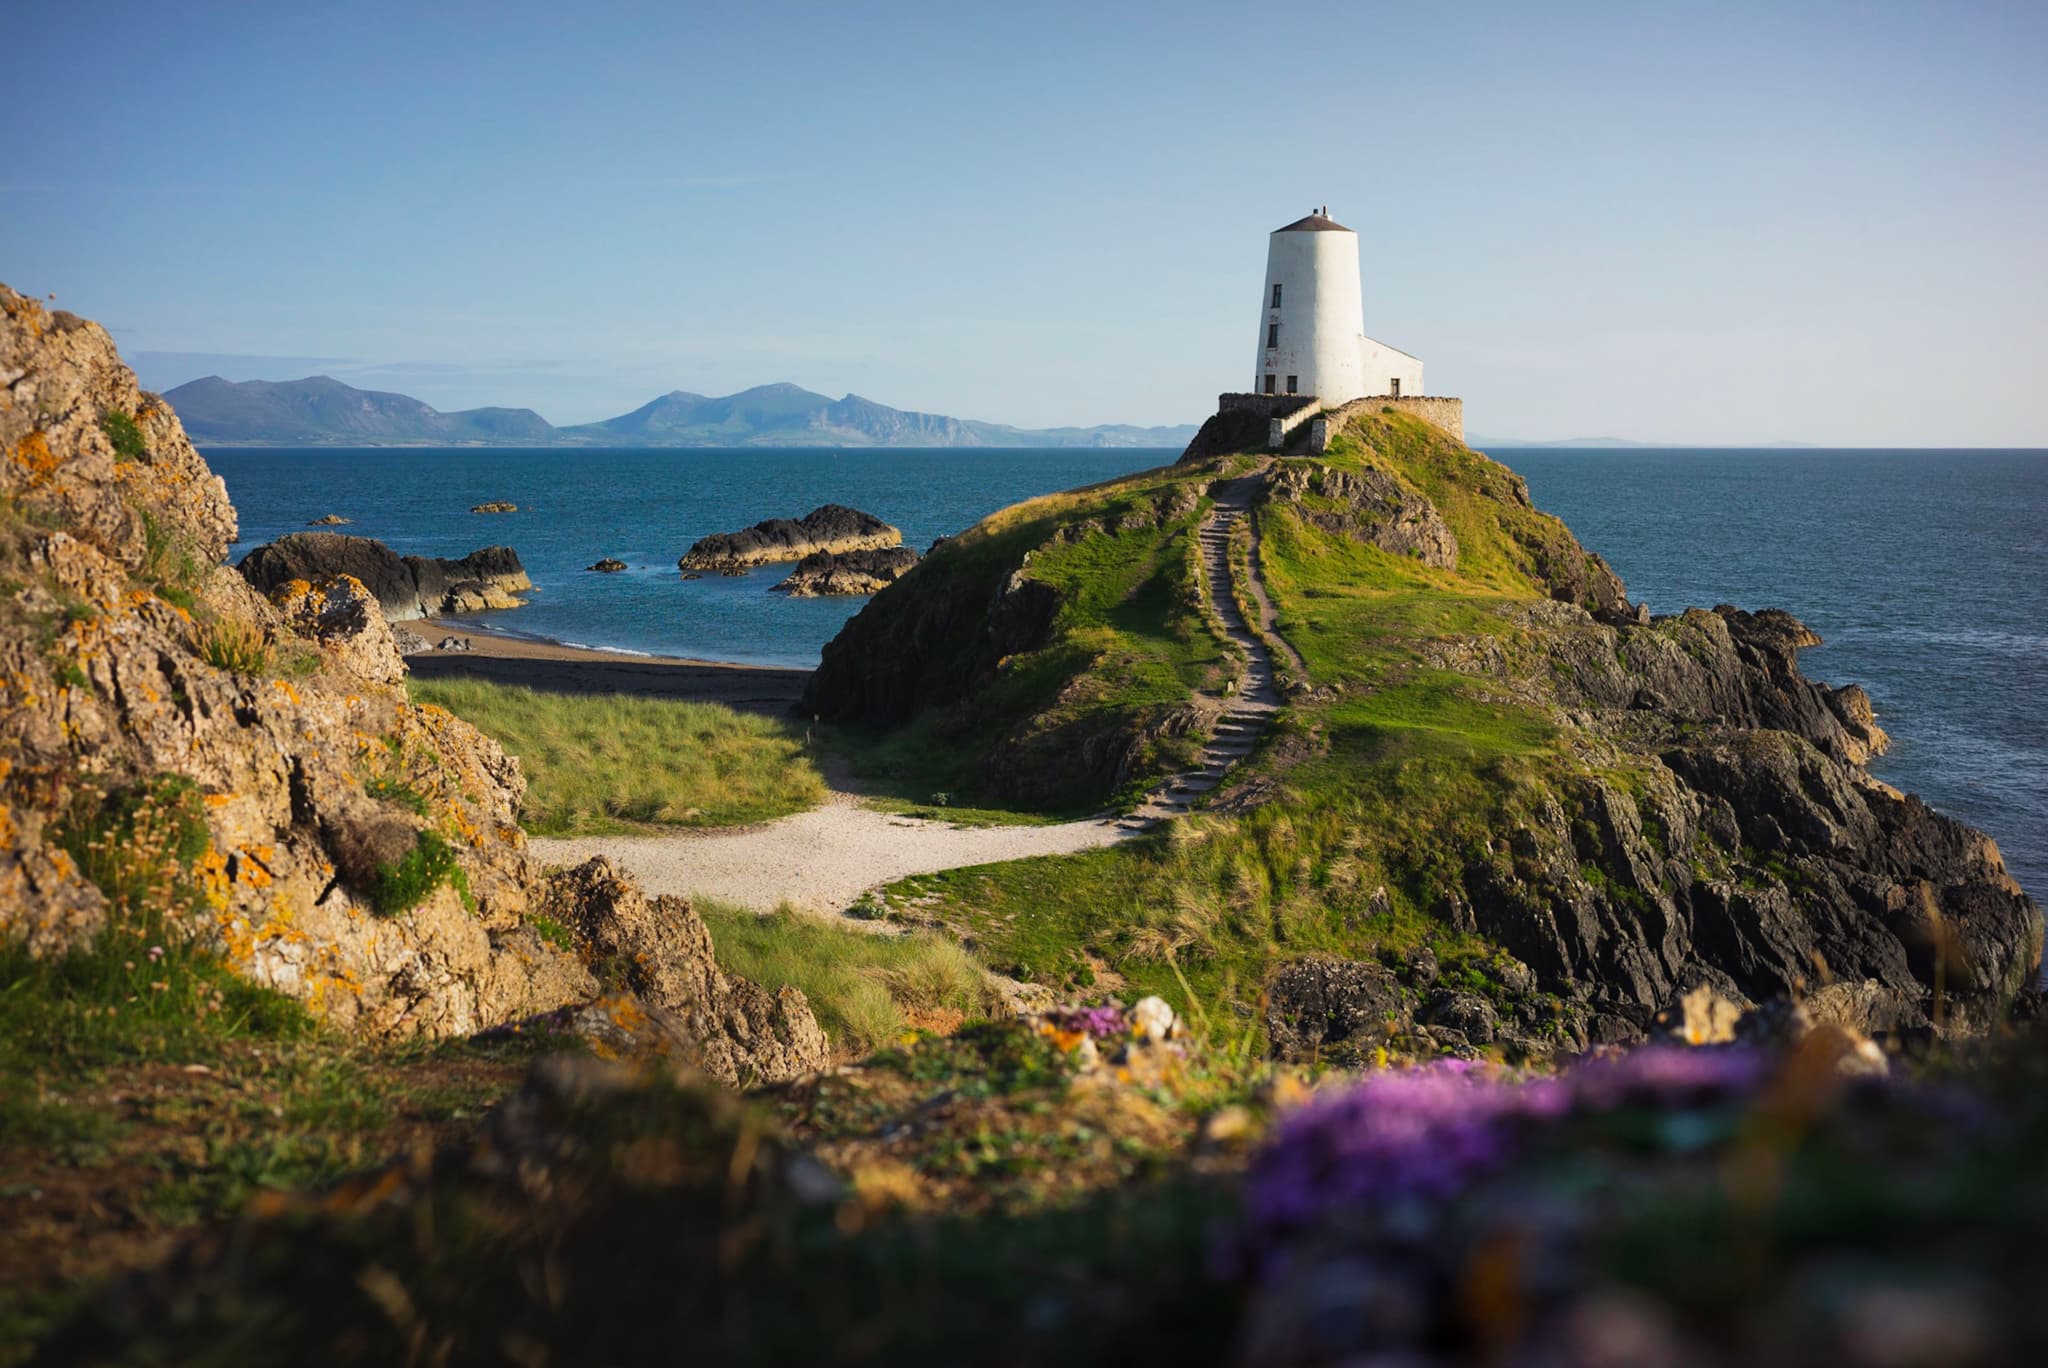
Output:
[[823, 860], [819, 861]]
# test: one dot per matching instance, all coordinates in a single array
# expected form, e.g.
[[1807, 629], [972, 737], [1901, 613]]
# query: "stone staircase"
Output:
[[1251, 708]]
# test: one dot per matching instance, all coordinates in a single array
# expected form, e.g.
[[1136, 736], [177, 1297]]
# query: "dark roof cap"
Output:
[[1314, 223]]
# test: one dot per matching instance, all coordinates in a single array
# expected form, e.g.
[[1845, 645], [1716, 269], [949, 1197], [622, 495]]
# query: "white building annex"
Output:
[[1311, 321]]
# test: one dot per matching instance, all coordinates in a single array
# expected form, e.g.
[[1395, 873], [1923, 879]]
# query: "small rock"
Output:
[[331, 520], [1468, 1014], [495, 506], [1153, 1019], [608, 566], [1702, 1017], [452, 643]]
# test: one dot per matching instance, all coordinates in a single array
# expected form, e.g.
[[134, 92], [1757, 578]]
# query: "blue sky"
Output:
[[1715, 223]]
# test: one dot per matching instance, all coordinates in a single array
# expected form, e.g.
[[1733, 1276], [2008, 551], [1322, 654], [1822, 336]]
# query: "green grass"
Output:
[[867, 988], [408, 881], [605, 763], [125, 434]]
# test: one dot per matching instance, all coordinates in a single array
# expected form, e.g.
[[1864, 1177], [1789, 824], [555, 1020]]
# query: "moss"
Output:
[[125, 434], [551, 931], [407, 882]]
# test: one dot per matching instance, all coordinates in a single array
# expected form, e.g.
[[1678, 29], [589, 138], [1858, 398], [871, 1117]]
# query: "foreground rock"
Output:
[[406, 587], [185, 759], [831, 528], [824, 574]]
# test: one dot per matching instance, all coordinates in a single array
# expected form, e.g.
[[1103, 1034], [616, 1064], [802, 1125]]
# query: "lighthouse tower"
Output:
[[1311, 321]]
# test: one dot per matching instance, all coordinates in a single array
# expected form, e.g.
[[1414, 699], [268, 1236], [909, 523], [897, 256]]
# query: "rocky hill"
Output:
[[1490, 758], [321, 411], [189, 767]]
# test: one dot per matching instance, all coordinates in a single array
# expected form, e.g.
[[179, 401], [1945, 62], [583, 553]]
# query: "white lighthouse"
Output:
[[1311, 321]]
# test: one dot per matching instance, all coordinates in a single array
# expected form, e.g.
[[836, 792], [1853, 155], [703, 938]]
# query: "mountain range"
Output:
[[322, 411]]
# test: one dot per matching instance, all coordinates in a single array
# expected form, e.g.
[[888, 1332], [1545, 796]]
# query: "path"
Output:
[[823, 860]]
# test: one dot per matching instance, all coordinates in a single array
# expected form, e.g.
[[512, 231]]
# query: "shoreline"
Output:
[[557, 667]]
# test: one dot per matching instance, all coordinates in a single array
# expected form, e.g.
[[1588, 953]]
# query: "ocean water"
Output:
[[1924, 572]]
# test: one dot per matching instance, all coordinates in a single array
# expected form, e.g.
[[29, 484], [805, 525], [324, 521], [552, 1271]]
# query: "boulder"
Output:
[[825, 574], [660, 950], [343, 617], [405, 587], [608, 566], [832, 527], [1322, 1007]]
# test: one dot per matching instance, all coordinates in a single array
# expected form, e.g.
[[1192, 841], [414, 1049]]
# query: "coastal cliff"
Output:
[[1489, 752], [192, 768]]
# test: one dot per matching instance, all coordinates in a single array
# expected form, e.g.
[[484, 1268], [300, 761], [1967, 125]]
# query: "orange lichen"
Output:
[[32, 453]]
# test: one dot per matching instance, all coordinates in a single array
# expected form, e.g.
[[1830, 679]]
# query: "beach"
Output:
[[532, 663]]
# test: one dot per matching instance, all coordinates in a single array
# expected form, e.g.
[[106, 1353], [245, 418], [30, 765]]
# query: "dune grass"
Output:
[[597, 764], [866, 988]]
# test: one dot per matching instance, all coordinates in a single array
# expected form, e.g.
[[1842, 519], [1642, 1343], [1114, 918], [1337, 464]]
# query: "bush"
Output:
[[125, 434], [406, 882]]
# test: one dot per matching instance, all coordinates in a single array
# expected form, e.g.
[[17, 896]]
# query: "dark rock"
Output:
[[1467, 1013], [331, 520], [495, 506], [405, 587], [825, 574], [608, 566], [1315, 1004], [833, 527]]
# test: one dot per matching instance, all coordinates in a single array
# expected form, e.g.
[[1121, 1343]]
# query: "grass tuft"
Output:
[[125, 434], [236, 646], [599, 764], [407, 882], [867, 989]]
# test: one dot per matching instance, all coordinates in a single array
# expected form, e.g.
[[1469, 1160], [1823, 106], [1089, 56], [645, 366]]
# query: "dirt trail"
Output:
[[823, 860]]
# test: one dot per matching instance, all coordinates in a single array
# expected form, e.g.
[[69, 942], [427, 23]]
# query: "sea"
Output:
[[1924, 572]]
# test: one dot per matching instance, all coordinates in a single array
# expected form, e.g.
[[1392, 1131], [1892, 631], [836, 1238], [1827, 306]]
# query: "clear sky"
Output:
[[1724, 222]]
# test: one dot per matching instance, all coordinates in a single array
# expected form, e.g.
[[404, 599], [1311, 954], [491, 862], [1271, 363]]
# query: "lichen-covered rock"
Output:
[[660, 950], [343, 617]]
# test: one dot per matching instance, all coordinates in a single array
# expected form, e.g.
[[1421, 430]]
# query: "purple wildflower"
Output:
[[1099, 1023]]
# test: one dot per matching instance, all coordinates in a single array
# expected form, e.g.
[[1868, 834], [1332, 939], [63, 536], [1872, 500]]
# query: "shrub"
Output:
[[169, 562], [125, 434], [405, 883]]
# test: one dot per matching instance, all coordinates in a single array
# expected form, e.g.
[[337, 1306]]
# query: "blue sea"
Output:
[[1925, 572]]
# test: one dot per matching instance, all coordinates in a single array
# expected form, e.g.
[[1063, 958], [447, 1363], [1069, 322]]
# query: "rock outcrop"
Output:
[[251, 765], [824, 574], [495, 506], [608, 565], [406, 587], [833, 528]]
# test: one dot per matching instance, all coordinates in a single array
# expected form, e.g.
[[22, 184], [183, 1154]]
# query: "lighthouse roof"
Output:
[[1314, 223]]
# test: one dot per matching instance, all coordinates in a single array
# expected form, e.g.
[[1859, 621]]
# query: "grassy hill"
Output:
[[1493, 757]]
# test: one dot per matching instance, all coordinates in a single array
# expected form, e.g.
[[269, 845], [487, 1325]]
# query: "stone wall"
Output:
[[1438, 410]]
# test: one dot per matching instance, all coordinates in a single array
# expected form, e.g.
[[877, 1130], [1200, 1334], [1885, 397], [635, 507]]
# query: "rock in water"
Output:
[[847, 573], [495, 506], [609, 566], [331, 520], [406, 587], [833, 527]]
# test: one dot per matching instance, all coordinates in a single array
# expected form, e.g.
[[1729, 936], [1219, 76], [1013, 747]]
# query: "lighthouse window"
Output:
[[1272, 334], [1276, 296], [1269, 384], [1294, 384]]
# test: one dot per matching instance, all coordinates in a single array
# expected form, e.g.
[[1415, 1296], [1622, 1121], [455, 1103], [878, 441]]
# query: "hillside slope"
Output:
[[1493, 756]]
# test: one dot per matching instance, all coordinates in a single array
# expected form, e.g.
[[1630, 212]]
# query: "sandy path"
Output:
[[819, 861]]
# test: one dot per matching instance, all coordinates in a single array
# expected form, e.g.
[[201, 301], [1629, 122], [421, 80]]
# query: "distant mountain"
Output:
[[321, 411], [1624, 444]]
